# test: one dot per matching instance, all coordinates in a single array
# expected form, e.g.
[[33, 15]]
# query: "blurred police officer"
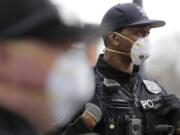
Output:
[[132, 103], [44, 75]]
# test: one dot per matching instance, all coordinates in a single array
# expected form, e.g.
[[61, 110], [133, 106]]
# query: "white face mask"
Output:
[[139, 51], [70, 85]]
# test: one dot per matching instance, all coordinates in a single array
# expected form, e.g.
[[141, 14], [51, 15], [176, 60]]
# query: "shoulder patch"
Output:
[[152, 86]]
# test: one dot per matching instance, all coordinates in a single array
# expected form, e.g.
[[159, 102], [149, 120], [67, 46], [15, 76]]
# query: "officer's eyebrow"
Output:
[[142, 31]]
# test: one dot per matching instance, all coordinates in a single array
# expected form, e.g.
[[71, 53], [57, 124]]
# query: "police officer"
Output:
[[132, 103], [41, 66]]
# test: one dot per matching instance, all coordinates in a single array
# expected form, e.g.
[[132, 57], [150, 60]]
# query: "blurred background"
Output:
[[164, 63]]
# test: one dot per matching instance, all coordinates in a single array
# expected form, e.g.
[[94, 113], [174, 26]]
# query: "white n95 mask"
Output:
[[70, 85], [140, 51]]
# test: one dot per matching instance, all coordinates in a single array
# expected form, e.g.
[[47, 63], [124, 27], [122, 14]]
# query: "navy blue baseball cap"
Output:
[[127, 15], [41, 19]]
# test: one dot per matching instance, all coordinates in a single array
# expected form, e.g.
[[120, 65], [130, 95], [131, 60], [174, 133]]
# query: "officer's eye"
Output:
[[143, 34]]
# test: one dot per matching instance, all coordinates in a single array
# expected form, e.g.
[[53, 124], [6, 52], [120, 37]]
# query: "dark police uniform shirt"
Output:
[[13, 124], [129, 102]]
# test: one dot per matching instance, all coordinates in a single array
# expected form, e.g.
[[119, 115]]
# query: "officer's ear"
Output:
[[113, 38]]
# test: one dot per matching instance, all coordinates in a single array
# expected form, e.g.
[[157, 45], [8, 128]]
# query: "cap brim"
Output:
[[83, 32], [151, 23], [48, 25]]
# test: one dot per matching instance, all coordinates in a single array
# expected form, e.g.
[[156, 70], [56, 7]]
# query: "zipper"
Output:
[[136, 100]]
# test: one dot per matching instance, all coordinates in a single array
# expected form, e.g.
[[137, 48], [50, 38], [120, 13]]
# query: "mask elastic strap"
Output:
[[114, 51], [130, 40]]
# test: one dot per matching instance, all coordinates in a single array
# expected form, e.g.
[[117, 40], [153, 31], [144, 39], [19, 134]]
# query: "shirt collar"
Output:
[[108, 71]]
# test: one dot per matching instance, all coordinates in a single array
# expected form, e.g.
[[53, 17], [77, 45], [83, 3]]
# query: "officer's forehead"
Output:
[[137, 28]]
